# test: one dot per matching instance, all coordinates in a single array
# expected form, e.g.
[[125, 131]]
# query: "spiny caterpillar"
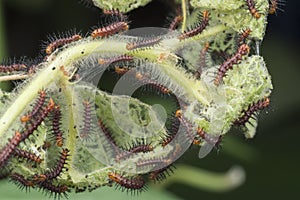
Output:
[[36, 107], [132, 184], [54, 190], [13, 68], [175, 23], [143, 44], [244, 35], [8, 150], [87, 121], [120, 58], [213, 140], [161, 174], [21, 182], [73, 126], [27, 155], [228, 64], [151, 84], [137, 148], [110, 29], [203, 60], [252, 9], [198, 29], [56, 126], [275, 5], [33, 124], [56, 171], [61, 42], [115, 12], [250, 111]]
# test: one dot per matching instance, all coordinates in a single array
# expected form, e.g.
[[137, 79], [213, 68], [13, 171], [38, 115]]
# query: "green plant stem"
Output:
[[206, 180], [184, 14], [85, 47]]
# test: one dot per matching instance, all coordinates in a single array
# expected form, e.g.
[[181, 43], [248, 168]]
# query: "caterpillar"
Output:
[[36, 107], [172, 132], [202, 56], [8, 150], [133, 183], [244, 35], [112, 12], [13, 68], [57, 190], [247, 114], [152, 85], [187, 125], [252, 9], [167, 140], [115, 12], [56, 129], [153, 162], [108, 136], [176, 21], [274, 5], [137, 148], [198, 29], [87, 121], [110, 29], [27, 155], [243, 50], [21, 182], [60, 42], [55, 172], [161, 174], [124, 57], [34, 124], [143, 44], [213, 140]]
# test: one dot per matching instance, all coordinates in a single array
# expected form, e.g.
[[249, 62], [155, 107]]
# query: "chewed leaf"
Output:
[[218, 5], [122, 5], [236, 15]]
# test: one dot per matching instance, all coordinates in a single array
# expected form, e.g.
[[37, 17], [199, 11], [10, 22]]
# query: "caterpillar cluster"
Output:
[[32, 120], [64, 145]]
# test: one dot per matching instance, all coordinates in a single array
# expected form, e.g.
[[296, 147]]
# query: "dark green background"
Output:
[[273, 166]]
